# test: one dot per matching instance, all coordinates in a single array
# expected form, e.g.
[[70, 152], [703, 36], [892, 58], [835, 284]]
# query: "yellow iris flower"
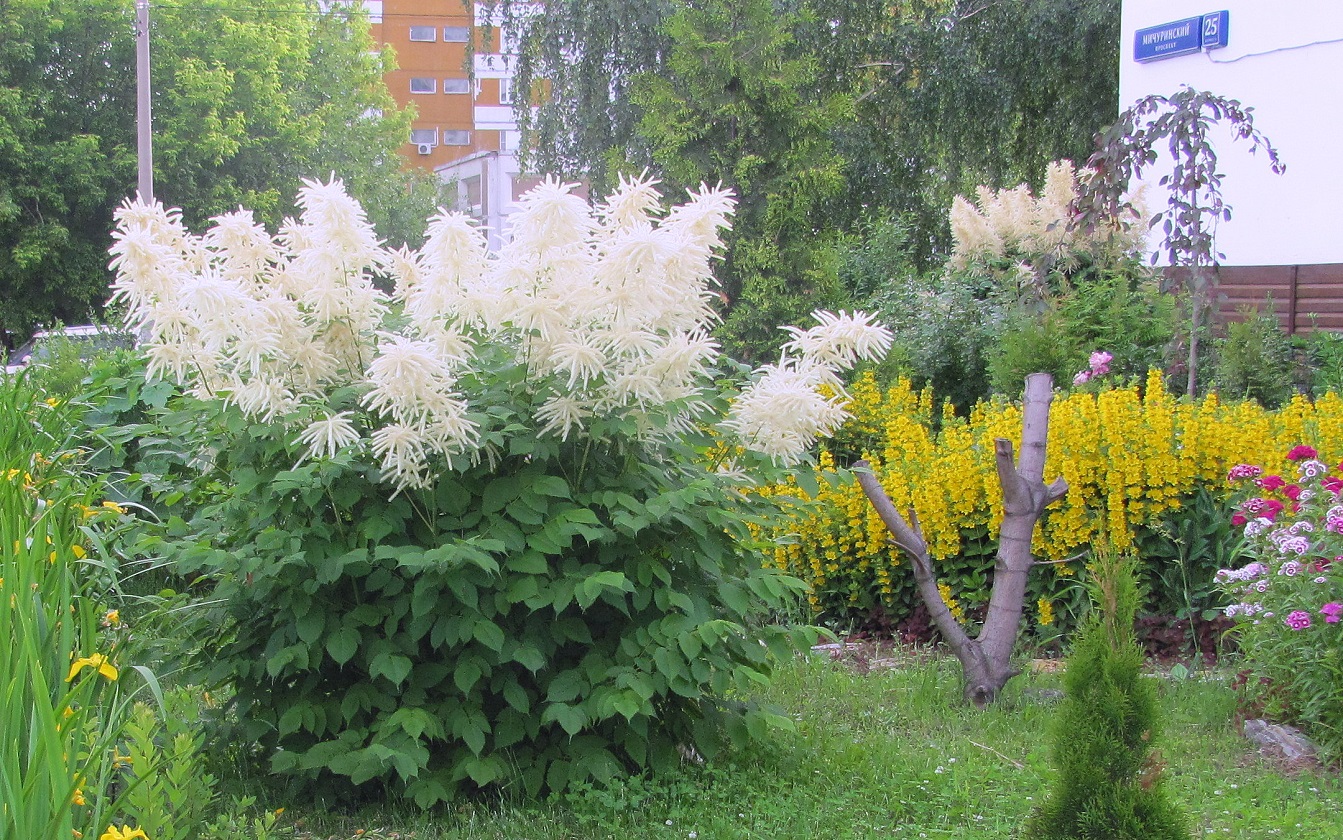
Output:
[[123, 833], [98, 662]]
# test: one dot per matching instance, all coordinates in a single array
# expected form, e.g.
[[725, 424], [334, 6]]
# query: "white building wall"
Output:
[[1284, 58]]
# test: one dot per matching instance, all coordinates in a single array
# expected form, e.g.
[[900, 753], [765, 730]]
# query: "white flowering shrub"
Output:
[[1032, 233], [1050, 292], [484, 517]]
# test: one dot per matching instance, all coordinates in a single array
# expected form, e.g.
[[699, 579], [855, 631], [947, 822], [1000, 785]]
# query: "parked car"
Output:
[[88, 339]]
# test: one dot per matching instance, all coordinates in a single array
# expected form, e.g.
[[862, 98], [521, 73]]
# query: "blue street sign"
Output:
[[1214, 30], [1181, 37], [1168, 40]]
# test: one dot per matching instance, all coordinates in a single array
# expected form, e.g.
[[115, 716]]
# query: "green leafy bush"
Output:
[[945, 330], [571, 611], [495, 528], [1324, 353], [1034, 342], [1055, 293], [169, 792], [1255, 360]]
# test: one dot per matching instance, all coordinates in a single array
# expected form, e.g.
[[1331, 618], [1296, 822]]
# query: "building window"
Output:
[[423, 33], [456, 85], [422, 85], [423, 136], [505, 91], [455, 137], [456, 34]]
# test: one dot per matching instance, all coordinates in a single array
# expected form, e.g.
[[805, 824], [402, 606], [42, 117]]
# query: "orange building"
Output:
[[464, 127]]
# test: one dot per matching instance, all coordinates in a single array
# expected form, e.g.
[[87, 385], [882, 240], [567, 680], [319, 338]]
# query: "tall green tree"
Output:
[[252, 98], [737, 104], [248, 99], [952, 94], [948, 94], [64, 157], [584, 55]]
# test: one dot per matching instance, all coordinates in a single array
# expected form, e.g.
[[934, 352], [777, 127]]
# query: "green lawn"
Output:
[[890, 753]]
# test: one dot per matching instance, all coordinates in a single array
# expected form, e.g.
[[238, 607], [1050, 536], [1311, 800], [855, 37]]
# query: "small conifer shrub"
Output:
[[1109, 776]]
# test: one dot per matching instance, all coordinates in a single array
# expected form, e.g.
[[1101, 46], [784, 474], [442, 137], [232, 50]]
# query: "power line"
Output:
[[310, 13]]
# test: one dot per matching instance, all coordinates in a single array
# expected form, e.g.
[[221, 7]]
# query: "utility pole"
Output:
[[143, 123]]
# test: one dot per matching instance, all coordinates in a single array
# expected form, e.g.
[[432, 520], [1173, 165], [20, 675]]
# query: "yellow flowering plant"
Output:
[[65, 706], [1133, 458]]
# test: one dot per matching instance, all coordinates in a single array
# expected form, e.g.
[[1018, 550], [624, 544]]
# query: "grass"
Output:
[[891, 753]]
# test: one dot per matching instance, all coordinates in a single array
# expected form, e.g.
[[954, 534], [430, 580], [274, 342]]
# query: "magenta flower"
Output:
[[1298, 619], [1241, 471], [1271, 482], [1300, 453], [1332, 612]]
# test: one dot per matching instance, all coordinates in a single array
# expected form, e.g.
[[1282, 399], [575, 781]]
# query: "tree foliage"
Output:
[[947, 94], [241, 95], [734, 107], [955, 93], [65, 159], [585, 54]]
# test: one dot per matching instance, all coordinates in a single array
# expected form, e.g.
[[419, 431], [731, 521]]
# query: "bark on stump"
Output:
[[986, 659]]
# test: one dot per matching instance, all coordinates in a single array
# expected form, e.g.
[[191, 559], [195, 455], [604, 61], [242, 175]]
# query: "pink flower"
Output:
[[1271, 482], [1100, 359], [1243, 471], [1292, 491], [1238, 519], [1332, 612], [1082, 377], [1272, 507], [1300, 453], [1332, 484], [1298, 619]]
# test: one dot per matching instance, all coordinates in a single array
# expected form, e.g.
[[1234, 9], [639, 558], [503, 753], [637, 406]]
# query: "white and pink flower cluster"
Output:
[[1295, 541], [608, 309]]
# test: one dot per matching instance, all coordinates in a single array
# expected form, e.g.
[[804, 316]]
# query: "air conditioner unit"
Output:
[[426, 148]]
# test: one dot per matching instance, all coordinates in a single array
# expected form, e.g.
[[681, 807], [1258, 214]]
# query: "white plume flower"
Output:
[[840, 340], [602, 313], [328, 436]]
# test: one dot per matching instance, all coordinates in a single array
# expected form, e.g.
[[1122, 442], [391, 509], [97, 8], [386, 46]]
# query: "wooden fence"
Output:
[[1305, 297]]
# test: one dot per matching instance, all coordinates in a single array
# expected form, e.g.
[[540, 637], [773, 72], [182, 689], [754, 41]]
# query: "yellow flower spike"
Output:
[[1046, 609], [112, 618], [124, 833], [79, 797], [96, 661]]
